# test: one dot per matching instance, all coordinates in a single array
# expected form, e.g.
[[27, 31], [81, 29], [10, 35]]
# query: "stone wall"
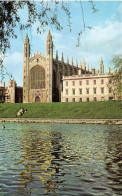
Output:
[[63, 121]]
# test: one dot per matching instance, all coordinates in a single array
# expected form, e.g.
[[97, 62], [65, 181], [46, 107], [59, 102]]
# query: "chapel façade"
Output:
[[42, 75]]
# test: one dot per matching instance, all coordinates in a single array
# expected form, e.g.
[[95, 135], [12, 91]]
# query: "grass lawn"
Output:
[[86, 110]]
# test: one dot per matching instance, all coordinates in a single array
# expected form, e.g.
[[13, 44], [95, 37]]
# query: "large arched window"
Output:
[[37, 78]]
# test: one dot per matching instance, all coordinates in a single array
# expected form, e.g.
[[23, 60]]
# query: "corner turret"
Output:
[[26, 49], [49, 66], [49, 45], [101, 66], [26, 56], [84, 65]]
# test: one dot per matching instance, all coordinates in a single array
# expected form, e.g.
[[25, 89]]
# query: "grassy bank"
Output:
[[86, 110]]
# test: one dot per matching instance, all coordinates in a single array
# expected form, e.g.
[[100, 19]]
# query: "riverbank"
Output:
[[63, 121], [78, 110]]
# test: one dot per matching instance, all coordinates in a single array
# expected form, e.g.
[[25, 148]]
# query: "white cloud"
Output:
[[13, 64], [104, 41], [63, 47], [14, 59], [120, 9]]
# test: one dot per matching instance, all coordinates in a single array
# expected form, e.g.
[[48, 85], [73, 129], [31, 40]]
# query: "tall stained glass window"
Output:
[[37, 78]]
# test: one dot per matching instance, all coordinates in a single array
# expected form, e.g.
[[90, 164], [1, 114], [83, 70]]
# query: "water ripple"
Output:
[[54, 159]]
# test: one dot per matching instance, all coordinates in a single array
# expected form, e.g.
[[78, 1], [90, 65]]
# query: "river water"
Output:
[[60, 159]]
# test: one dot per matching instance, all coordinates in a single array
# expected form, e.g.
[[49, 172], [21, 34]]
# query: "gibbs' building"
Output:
[[42, 75]]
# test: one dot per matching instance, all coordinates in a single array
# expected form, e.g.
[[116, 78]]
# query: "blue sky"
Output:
[[104, 40]]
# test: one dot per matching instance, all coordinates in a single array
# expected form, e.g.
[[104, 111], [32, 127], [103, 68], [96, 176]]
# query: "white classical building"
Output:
[[87, 87]]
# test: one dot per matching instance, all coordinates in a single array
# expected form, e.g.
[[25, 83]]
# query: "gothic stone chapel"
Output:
[[42, 75]]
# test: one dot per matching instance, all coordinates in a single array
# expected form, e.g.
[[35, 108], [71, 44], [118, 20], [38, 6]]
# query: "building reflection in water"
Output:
[[61, 159], [113, 159], [36, 157]]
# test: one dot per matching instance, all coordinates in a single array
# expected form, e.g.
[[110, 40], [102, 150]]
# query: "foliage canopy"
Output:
[[116, 82]]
